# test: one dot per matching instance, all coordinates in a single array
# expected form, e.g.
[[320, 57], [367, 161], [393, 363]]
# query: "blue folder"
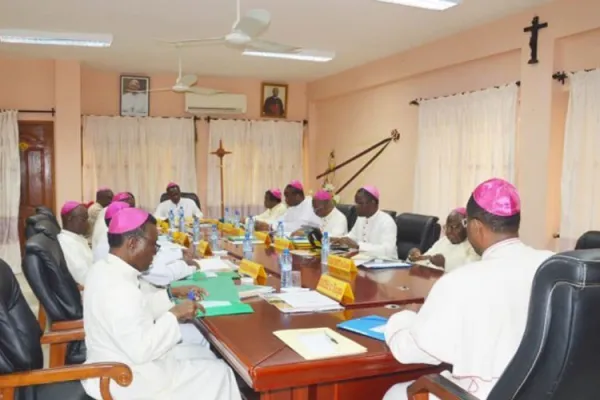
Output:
[[371, 326]]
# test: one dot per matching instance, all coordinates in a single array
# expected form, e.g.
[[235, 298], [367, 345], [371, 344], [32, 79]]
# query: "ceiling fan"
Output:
[[184, 84]]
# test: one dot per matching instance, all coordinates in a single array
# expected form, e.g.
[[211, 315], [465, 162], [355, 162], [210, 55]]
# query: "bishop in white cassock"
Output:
[[375, 232], [124, 324], [452, 250], [275, 208], [103, 198], [73, 243], [175, 203], [333, 221], [100, 228], [300, 211], [474, 318]]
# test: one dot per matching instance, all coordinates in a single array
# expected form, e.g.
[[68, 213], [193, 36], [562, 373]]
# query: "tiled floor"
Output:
[[34, 304]]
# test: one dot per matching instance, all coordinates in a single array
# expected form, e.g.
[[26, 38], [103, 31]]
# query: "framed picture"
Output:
[[135, 98], [274, 100]]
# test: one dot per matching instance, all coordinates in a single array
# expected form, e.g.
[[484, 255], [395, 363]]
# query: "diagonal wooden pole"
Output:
[[221, 152]]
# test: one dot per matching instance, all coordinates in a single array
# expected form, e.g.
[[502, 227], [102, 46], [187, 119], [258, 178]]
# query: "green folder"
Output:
[[233, 309], [219, 289], [200, 276]]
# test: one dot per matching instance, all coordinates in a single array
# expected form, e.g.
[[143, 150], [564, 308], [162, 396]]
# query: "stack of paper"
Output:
[[240, 240], [428, 264], [319, 343], [247, 291], [302, 301], [382, 264], [215, 264]]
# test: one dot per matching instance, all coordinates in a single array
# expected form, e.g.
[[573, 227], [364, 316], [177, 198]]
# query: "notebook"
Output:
[[301, 301], [319, 343], [372, 326]]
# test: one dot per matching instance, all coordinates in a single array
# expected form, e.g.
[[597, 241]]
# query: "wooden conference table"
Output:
[[276, 372]]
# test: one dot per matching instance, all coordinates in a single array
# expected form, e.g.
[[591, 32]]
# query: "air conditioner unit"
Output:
[[213, 104]]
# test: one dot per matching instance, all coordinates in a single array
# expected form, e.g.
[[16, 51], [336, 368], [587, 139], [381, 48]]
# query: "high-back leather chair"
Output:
[[391, 213], [349, 210], [22, 360], [48, 212], [589, 240], [186, 195], [558, 355], [38, 223], [415, 231], [46, 272]]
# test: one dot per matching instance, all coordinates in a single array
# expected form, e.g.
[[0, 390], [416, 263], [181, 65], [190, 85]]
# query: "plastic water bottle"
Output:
[[196, 230], [181, 220], [280, 230], [324, 252], [236, 219], [171, 220], [285, 263], [214, 238], [226, 219], [250, 226], [248, 246]]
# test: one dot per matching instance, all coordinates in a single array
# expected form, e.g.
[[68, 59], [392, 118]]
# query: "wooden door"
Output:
[[36, 144]]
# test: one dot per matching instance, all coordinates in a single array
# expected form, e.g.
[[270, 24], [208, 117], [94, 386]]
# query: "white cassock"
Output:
[[335, 223], [376, 236], [93, 212], [124, 324], [100, 229], [473, 319], [190, 209], [298, 216], [78, 254], [134, 104], [272, 214], [456, 255]]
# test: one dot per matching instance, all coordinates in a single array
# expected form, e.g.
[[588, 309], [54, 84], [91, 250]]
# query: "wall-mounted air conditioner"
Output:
[[214, 104]]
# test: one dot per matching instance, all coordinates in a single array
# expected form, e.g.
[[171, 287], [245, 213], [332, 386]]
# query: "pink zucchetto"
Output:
[[461, 211], [121, 196], [371, 190], [127, 220], [114, 208], [296, 184], [69, 206], [323, 195], [172, 185], [498, 197], [276, 193]]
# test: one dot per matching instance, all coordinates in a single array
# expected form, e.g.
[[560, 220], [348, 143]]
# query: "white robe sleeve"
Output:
[[386, 247], [159, 302], [436, 248], [196, 211], [338, 226], [401, 343], [161, 211], [77, 264]]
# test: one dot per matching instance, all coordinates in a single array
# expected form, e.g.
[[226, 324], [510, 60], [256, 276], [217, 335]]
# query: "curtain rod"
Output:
[[208, 119], [50, 111], [416, 102], [562, 76]]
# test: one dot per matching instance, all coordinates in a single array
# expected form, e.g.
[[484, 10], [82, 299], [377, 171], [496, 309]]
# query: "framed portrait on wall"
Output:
[[135, 96], [274, 100]]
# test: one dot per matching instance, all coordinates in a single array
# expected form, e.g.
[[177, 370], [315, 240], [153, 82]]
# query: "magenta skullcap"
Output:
[[323, 195], [103, 189], [276, 193], [498, 197], [296, 184], [121, 196], [461, 211], [69, 206], [114, 208], [127, 220], [372, 190], [172, 185]]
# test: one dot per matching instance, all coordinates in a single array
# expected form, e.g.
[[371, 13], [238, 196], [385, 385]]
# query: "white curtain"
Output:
[[138, 155], [580, 183], [10, 190], [265, 154], [463, 140]]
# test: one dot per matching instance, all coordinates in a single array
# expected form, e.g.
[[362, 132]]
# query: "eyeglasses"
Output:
[[145, 239]]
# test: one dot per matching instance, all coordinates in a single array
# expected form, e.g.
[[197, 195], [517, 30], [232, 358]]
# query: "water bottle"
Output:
[[248, 247], [324, 252], [226, 219], [196, 230], [250, 226], [236, 219], [285, 263], [171, 220], [181, 220], [214, 238], [280, 230]]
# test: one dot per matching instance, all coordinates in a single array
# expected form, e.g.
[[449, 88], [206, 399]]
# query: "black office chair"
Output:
[[416, 231], [46, 272], [186, 195], [21, 357], [589, 240], [38, 223], [48, 212], [349, 210], [558, 355]]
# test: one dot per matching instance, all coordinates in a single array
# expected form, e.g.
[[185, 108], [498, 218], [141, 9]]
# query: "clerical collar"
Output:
[[491, 251]]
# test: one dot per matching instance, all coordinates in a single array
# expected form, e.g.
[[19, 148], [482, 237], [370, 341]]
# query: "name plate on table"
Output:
[[204, 249], [342, 267], [229, 229], [181, 238], [254, 270], [264, 236], [336, 289], [282, 244], [209, 221]]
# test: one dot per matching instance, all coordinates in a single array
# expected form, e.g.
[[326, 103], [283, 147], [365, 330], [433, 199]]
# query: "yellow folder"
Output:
[[319, 343]]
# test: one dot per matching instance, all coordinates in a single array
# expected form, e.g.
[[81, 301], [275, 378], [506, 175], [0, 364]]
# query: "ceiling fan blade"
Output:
[[188, 80], [272, 47], [204, 91], [254, 23], [196, 42], [160, 90]]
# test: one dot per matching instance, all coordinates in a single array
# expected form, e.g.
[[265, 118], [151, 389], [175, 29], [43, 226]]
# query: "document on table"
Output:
[[302, 301], [428, 264], [381, 264], [214, 264], [319, 343], [214, 303]]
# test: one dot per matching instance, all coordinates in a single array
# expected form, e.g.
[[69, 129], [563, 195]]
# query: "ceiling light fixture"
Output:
[[438, 5], [302, 55], [19, 36]]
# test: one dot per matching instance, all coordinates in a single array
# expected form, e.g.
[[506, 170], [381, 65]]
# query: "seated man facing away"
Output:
[[452, 250], [103, 198], [275, 208], [474, 318], [175, 203], [100, 227], [333, 221], [375, 232], [124, 324], [73, 243]]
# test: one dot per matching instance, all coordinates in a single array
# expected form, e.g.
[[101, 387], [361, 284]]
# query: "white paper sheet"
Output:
[[213, 264], [318, 343], [306, 299], [214, 303]]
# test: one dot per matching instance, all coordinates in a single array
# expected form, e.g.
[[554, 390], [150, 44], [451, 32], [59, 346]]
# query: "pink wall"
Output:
[[354, 109]]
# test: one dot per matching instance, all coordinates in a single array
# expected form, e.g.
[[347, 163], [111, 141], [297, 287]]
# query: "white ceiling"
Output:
[[357, 30]]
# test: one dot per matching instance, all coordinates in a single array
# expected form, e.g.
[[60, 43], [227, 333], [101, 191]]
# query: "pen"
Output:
[[332, 339], [191, 295]]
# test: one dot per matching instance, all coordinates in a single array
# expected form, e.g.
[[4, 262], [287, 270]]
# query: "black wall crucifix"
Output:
[[534, 29]]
